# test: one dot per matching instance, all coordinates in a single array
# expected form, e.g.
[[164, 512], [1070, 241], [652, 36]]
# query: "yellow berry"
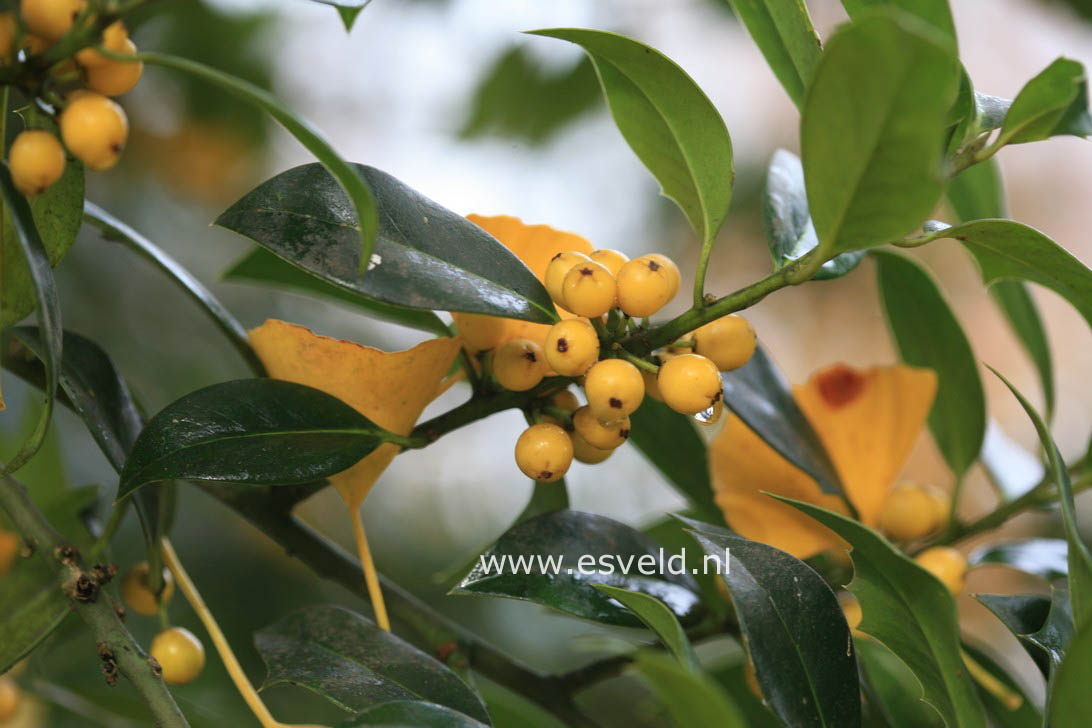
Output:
[[645, 284], [942, 505], [180, 654], [518, 365], [911, 512], [565, 400], [480, 332], [652, 389], [668, 267], [589, 289], [851, 608], [614, 388], [10, 698], [689, 383], [37, 161], [544, 452], [138, 597], [113, 39], [556, 271], [114, 78], [587, 453], [604, 437], [571, 347], [94, 129], [946, 564], [50, 19], [729, 342], [612, 260], [7, 35], [9, 547]]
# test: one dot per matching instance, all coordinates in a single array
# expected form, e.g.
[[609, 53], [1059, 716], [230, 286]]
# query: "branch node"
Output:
[[66, 554], [103, 573]]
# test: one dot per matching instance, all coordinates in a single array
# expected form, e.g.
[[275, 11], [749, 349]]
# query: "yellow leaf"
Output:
[[389, 388]]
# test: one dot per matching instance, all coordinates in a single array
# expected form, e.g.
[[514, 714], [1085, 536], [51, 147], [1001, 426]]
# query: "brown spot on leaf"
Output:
[[840, 385]]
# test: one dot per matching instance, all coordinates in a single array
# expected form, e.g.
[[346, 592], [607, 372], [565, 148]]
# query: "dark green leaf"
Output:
[[411, 714], [784, 33], [692, 699], [668, 121], [935, 13], [540, 561], [1054, 102], [545, 498], [789, 229], [1043, 557], [426, 257], [873, 169], [911, 613], [1016, 303], [734, 681], [347, 659], [1068, 702], [253, 431], [1044, 625], [928, 335], [1004, 715], [657, 617], [759, 395], [793, 627], [347, 9], [892, 691]]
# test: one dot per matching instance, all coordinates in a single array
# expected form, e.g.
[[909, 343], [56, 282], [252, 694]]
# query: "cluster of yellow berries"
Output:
[[179, 653], [686, 377], [93, 127]]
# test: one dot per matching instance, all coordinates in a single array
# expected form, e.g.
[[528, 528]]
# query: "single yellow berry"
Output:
[[946, 564], [612, 260], [589, 289], [604, 437], [9, 547], [10, 698], [942, 505], [614, 388], [565, 400], [571, 347], [729, 342], [50, 19], [113, 39], [556, 270], [652, 388], [645, 284], [518, 365], [180, 654], [94, 129], [138, 597], [689, 383], [7, 35], [911, 512], [587, 453], [114, 78], [37, 161], [544, 452], [851, 608]]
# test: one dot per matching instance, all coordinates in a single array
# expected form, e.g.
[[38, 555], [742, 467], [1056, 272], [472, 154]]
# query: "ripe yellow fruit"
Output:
[[518, 365], [114, 78], [37, 161], [10, 698], [113, 39], [544, 452], [571, 347], [729, 342], [50, 19], [138, 597], [689, 383], [668, 267], [589, 290], [558, 267], [565, 400], [7, 35], [94, 129], [645, 284], [614, 389], [604, 437], [851, 608], [180, 654], [9, 546], [946, 564], [912, 512], [586, 453], [612, 260]]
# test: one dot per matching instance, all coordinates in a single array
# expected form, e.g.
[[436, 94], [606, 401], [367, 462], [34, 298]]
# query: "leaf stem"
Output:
[[638, 361], [699, 274], [371, 576]]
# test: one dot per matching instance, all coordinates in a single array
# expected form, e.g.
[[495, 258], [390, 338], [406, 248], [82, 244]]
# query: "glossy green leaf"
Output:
[[1068, 702], [657, 617], [348, 660], [426, 257], [668, 121], [935, 13], [347, 9], [1080, 560], [873, 170], [911, 613], [1003, 713], [892, 691], [794, 629], [1054, 102], [693, 700], [784, 33], [253, 431], [789, 229], [1044, 625], [928, 335], [557, 558], [411, 714], [1042, 557]]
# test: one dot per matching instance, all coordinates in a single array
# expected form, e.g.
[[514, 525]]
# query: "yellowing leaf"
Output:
[[389, 388]]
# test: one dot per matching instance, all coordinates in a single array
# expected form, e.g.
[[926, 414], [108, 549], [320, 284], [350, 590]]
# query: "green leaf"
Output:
[[733, 679], [935, 13], [264, 268], [1044, 625], [1068, 702], [693, 700], [1042, 557], [1016, 303], [928, 335], [351, 662], [545, 498], [794, 629], [347, 9], [363, 215], [978, 192], [1080, 560], [426, 257], [411, 713], [1004, 715], [873, 170], [911, 613], [760, 396], [784, 33], [1054, 102], [891, 688], [790, 232], [540, 561], [668, 121], [657, 617], [253, 431]]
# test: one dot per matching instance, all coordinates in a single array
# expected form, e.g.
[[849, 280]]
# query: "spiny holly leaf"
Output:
[[347, 9], [1044, 625]]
